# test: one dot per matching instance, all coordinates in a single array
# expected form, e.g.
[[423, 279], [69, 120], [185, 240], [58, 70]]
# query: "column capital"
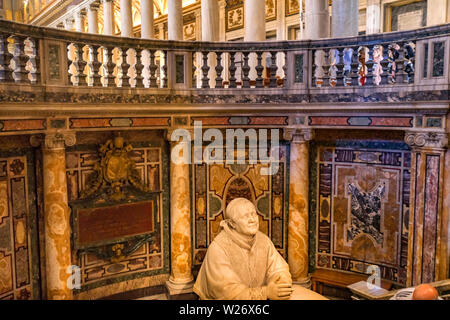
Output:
[[81, 13], [298, 135], [222, 4], [54, 140], [426, 139], [94, 5]]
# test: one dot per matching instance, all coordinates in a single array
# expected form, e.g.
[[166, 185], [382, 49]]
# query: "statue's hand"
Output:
[[277, 290]]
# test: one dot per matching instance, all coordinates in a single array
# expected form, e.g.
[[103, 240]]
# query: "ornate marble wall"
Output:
[[215, 185], [19, 262], [362, 196]]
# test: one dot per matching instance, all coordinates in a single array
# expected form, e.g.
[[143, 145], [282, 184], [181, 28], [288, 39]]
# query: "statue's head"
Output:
[[243, 217]]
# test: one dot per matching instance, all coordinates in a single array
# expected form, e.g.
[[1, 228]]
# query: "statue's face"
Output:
[[246, 221]]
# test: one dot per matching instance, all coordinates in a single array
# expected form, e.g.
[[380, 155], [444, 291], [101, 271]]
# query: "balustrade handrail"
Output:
[[25, 30]]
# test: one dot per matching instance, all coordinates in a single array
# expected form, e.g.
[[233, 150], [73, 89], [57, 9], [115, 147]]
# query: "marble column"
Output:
[[254, 20], [317, 19], [344, 18], [298, 205], [444, 267], [181, 279], [222, 29], [126, 19], [210, 20], [147, 21], [79, 20], [210, 32], [93, 17], [108, 17], [56, 214], [425, 229], [254, 30], [373, 16], [175, 19]]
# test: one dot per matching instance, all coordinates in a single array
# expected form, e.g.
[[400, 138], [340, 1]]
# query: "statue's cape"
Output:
[[237, 268]]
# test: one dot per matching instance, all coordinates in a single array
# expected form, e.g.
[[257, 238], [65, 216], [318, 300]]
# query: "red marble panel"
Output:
[[212, 120], [114, 222], [23, 124], [391, 122], [150, 122], [328, 121], [268, 120], [90, 123]]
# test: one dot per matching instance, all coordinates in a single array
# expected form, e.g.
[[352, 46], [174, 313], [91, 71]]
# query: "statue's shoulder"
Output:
[[219, 241]]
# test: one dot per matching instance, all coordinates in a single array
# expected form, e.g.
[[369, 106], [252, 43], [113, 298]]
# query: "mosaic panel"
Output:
[[362, 210], [216, 184], [151, 256], [15, 250]]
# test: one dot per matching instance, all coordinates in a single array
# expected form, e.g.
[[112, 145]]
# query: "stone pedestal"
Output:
[[425, 228], [298, 205], [181, 280], [56, 215]]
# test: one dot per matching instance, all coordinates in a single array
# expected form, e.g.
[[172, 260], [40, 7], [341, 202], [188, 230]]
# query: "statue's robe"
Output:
[[236, 267]]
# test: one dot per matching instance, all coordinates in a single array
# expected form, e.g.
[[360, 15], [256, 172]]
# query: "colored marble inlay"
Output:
[[90, 123], [362, 121], [206, 121], [430, 218], [361, 212], [23, 124], [269, 120], [438, 58], [150, 122]]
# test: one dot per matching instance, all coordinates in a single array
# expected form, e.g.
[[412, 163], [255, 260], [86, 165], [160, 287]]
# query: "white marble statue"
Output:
[[242, 262]]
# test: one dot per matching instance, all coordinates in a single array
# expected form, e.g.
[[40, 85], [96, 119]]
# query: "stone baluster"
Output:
[[219, 69], [385, 65], [354, 74], [245, 70], [164, 68], [340, 68], [80, 65], [124, 67], [259, 70], [314, 67], [273, 70], [109, 66], [139, 67], [6, 73], [370, 67], [35, 62], [232, 68], [56, 213], [20, 58], [194, 70], [95, 66], [326, 68], [153, 67], [285, 79], [205, 70], [400, 74]]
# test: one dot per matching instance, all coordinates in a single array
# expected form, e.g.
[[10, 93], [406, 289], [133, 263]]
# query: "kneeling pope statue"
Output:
[[243, 264]]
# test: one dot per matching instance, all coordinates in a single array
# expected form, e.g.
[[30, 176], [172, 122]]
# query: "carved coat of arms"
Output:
[[115, 170]]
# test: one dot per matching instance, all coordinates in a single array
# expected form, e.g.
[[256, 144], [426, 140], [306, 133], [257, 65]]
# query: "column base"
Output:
[[304, 282], [179, 287]]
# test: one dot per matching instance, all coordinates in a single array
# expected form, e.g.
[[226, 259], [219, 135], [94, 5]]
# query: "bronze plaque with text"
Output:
[[106, 224]]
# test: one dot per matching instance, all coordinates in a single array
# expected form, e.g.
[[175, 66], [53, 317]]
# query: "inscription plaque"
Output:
[[106, 224]]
